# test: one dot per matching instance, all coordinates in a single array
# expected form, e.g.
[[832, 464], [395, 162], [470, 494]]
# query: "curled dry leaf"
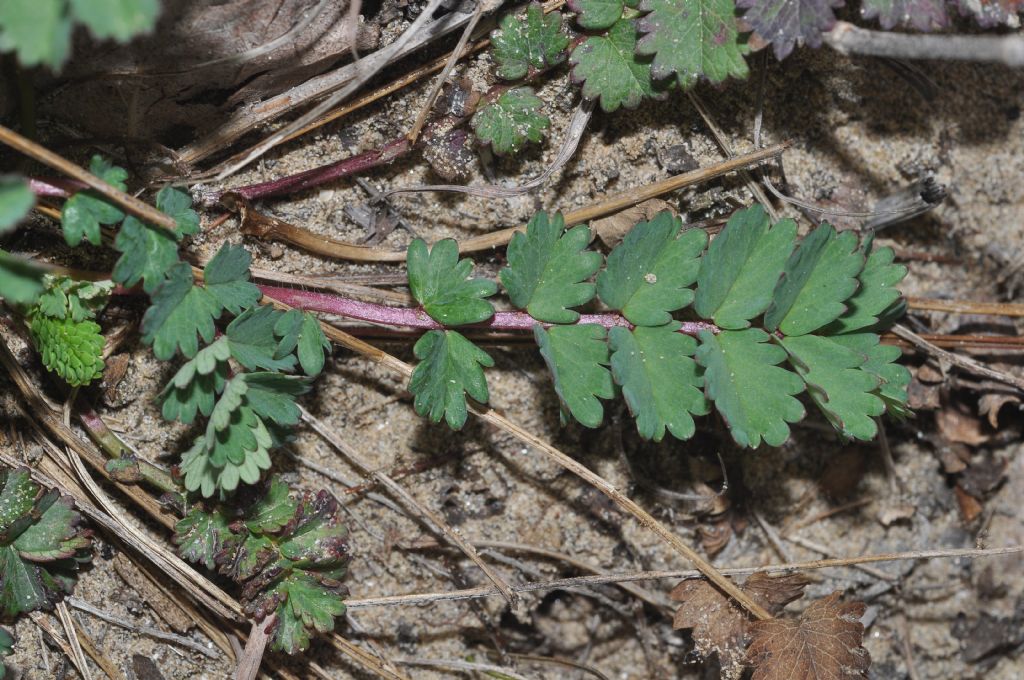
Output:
[[823, 644], [719, 626]]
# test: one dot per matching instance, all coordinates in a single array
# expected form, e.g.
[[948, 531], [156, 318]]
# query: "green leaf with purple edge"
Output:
[[610, 69]]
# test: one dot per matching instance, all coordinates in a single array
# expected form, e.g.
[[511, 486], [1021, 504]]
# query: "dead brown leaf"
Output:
[[719, 625], [957, 425], [823, 644], [612, 229], [714, 536], [991, 403], [970, 507]]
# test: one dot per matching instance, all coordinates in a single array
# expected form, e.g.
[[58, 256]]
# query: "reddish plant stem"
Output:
[[55, 187], [416, 318]]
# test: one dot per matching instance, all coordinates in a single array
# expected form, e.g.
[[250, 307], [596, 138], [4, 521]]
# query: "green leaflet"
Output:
[[742, 267], [596, 14], [254, 341], [84, 212], [895, 379], [876, 295], [178, 312], [547, 269], [692, 39], [577, 357], [21, 281], [226, 278], [753, 394], [117, 19], [272, 396], [195, 386], [71, 349], [147, 253], [511, 121], [37, 31], [837, 384], [16, 199], [220, 459], [301, 332], [41, 544], [610, 70], [273, 510], [201, 535], [65, 298], [538, 41], [440, 282], [648, 274], [819, 276], [662, 385], [449, 368]]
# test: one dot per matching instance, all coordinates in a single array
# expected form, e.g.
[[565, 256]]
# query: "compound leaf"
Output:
[[648, 274], [877, 292], [787, 23], [819, 277], [537, 42], [227, 279], [308, 603], [610, 70], [662, 385], [300, 332], [753, 394], [179, 310], [147, 253], [273, 510], [577, 357], [71, 349], [178, 204], [195, 386], [548, 268], [16, 199], [117, 19], [692, 39], [922, 15], [39, 32], [84, 212], [511, 121], [449, 368], [41, 544], [596, 14], [222, 457], [837, 384], [254, 342], [272, 396], [440, 282], [742, 267]]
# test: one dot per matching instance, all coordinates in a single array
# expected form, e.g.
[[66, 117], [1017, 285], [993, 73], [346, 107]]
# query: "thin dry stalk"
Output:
[[148, 631], [413, 506], [846, 38], [100, 659], [966, 307], [44, 624], [249, 663], [129, 203], [966, 363], [64, 616]]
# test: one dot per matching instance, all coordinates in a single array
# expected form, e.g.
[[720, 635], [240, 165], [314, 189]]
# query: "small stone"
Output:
[[676, 159]]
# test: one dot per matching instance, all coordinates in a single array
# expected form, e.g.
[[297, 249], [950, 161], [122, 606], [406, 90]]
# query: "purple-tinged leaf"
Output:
[[788, 23]]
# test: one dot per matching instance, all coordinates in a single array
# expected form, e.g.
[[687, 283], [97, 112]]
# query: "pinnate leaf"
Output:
[[610, 69], [300, 332], [178, 204], [548, 268], [838, 385], [649, 273], [691, 39], [511, 121], [41, 544], [254, 341], [662, 385], [16, 199], [596, 14], [178, 312], [224, 456], [307, 603], [440, 282], [195, 386], [577, 357], [538, 41], [71, 349], [750, 390], [819, 277], [719, 625], [227, 279], [787, 23], [825, 642], [742, 267], [84, 212], [877, 292], [449, 369]]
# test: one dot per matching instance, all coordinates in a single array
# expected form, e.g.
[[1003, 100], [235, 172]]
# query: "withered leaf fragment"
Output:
[[823, 644], [719, 624]]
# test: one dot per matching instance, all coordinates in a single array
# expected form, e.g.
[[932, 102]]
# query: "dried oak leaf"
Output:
[[719, 625], [823, 644]]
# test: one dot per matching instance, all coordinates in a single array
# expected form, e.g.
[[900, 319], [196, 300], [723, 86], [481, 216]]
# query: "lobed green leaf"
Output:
[[610, 69], [577, 357], [877, 292], [84, 212], [178, 312], [449, 369], [536, 41], [16, 200], [596, 14], [440, 282], [511, 121]]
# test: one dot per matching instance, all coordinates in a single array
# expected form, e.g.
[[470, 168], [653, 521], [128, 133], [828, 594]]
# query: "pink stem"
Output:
[[54, 186], [416, 318]]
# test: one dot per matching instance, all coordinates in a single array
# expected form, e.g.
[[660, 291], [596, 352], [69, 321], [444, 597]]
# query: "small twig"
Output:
[[499, 671], [811, 545], [568, 663], [131, 205], [846, 38], [72, 636], [958, 360], [40, 620], [587, 581], [908, 649], [149, 631], [966, 307], [887, 460], [101, 659], [249, 663], [341, 445]]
